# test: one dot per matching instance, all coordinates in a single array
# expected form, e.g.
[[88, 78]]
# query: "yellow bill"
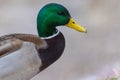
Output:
[[76, 26]]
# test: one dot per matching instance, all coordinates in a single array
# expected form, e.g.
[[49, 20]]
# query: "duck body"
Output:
[[22, 56], [30, 59]]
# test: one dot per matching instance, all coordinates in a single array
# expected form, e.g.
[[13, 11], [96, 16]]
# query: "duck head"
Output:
[[53, 15]]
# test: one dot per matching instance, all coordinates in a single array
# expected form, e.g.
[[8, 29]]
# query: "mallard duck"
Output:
[[24, 55]]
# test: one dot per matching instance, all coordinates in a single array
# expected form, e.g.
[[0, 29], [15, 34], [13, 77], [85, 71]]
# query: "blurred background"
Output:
[[90, 56]]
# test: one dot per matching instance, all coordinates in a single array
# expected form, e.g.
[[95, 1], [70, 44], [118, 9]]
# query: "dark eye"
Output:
[[61, 13]]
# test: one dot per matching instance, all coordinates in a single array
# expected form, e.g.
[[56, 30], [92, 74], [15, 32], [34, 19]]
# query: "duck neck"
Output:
[[45, 30]]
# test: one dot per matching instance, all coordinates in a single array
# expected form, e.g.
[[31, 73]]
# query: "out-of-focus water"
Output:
[[85, 55]]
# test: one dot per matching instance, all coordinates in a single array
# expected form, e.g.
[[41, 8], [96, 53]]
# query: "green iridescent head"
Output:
[[51, 16]]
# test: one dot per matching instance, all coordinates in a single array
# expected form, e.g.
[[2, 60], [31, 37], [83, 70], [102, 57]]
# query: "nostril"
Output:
[[73, 22]]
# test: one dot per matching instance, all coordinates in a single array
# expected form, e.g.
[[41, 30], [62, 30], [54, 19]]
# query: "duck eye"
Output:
[[61, 13]]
